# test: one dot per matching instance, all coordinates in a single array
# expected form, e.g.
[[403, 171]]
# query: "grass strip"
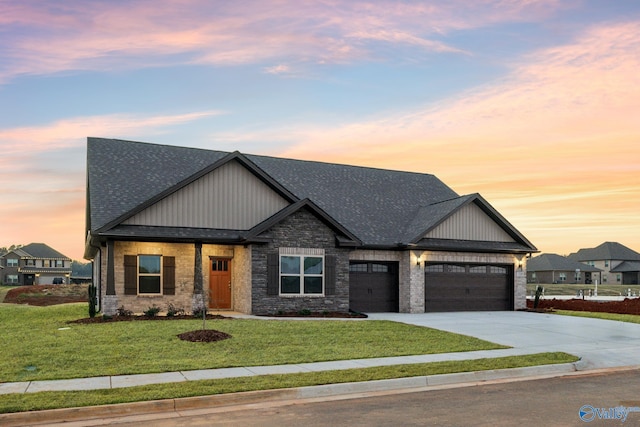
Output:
[[629, 318], [52, 400]]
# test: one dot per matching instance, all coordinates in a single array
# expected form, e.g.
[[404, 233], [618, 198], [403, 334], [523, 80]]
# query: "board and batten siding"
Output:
[[229, 197], [470, 223]]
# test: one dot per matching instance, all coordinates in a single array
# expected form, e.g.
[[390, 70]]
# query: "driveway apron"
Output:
[[599, 343]]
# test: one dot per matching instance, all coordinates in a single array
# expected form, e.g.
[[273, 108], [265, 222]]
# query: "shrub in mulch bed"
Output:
[[626, 306], [325, 314], [109, 319]]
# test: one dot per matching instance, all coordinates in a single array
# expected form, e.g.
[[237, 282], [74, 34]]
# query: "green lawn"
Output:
[[630, 318], [51, 400], [38, 344]]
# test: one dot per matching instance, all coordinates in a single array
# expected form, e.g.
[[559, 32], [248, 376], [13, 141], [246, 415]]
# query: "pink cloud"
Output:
[[72, 132], [81, 36]]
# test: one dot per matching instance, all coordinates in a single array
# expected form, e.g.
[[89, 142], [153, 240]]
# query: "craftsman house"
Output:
[[35, 264], [259, 235]]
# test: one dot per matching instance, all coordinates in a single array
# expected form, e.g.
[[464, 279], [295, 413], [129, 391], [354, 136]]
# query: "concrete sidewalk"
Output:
[[122, 381]]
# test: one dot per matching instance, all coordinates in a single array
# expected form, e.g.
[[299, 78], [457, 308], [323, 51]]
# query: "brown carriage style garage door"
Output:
[[468, 287], [373, 286]]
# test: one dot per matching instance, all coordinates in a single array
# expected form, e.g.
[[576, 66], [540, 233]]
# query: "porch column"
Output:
[[110, 303], [198, 301], [111, 283]]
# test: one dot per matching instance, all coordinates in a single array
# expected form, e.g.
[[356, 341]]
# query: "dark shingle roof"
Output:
[[40, 250], [375, 204], [627, 267], [554, 262], [379, 207], [606, 251]]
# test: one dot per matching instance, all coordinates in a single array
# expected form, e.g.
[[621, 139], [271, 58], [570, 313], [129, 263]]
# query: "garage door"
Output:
[[468, 287], [373, 286]]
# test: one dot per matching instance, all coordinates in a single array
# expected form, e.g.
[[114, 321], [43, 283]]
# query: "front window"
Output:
[[12, 279], [563, 277], [149, 274], [301, 274], [59, 263], [30, 262], [12, 262]]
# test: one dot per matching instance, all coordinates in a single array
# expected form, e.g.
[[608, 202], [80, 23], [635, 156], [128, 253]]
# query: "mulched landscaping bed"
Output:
[[44, 295], [204, 335], [627, 306], [327, 314]]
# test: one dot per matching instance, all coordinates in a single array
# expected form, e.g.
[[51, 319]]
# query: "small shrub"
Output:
[[107, 317], [152, 311], [93, 300], [121, 311], [172, 310], [304, 312]]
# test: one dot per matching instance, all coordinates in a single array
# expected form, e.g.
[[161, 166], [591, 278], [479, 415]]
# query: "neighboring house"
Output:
[[260, 234], [553, 268], [35, 264], [619, 264]]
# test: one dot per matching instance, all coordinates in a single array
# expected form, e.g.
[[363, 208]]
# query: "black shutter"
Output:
[[273, 274], [130, 275], [169, 275], [330, 275]]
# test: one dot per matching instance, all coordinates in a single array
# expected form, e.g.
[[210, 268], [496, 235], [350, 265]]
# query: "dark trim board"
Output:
[[468, 287]]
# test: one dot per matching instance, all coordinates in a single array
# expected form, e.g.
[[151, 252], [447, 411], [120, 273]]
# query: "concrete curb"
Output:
[[173, 407]]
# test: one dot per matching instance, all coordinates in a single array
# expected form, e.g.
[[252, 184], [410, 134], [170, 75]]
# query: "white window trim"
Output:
[[301, 253], [149, 275]]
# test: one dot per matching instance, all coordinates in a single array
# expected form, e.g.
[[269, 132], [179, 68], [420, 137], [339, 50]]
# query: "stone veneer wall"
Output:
[[519, 279], [184, 254], [300, 230]]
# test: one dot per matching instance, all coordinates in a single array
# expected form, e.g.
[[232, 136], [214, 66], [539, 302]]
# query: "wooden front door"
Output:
[[220, 283]]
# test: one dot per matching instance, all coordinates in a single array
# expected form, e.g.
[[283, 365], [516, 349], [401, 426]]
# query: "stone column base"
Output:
[[109, 305]]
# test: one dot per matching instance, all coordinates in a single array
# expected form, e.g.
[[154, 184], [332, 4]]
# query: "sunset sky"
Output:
[[535, 104]]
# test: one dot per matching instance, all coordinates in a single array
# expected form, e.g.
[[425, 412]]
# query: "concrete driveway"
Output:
[[599, 343]]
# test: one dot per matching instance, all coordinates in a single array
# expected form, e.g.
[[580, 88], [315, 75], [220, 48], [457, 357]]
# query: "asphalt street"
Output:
[[548, 402]]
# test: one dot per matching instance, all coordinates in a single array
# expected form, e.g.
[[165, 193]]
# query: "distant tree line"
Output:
[[80, 269], [5, 249]]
